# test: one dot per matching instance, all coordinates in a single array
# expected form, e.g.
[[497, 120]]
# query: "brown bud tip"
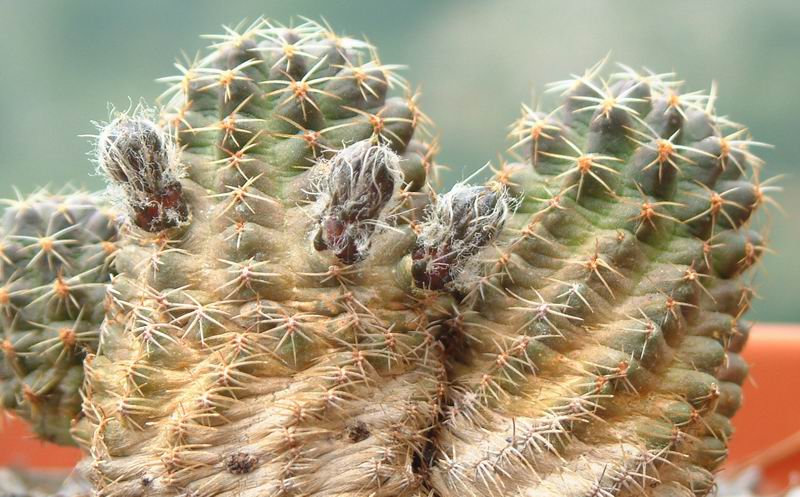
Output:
[[359, 185], [461, 222], [139, 159]]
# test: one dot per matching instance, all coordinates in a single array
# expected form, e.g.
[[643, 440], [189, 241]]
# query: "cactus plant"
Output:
[[56, 254], [297, 312]]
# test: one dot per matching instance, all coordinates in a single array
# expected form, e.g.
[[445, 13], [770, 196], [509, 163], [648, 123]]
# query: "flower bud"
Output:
[[360, 183], [138, 158], [460, 223]]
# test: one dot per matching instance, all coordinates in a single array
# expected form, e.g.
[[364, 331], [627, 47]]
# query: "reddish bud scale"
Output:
[[430, 268], [335, 230], [166, 209]]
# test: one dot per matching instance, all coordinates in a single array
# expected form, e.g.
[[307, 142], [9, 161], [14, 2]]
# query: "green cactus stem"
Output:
[[56, 253]]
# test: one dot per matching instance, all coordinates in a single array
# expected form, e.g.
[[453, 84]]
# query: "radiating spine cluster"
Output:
[[56, 258]]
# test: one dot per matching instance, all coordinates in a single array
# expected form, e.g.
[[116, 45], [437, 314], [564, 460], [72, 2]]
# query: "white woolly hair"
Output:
[[339, 186], [134, 136], [441, 219], [465, 236]]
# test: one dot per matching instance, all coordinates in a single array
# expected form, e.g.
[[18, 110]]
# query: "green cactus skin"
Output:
[[270, 340], [297, 313], [600, 337], [55, 263]]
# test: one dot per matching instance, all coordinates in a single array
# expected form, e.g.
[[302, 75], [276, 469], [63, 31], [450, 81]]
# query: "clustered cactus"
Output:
[[56, 253], [294, 310]]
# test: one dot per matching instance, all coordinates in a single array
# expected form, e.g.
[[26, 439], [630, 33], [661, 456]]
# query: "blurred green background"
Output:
[[64, 62]]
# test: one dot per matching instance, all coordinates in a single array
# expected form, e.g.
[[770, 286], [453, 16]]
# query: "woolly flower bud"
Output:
[[360, 183], [461, 222], [138, 158]]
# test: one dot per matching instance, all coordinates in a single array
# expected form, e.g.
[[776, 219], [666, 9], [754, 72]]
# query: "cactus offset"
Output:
[[55, 262], [600, 336], [297, 312]]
